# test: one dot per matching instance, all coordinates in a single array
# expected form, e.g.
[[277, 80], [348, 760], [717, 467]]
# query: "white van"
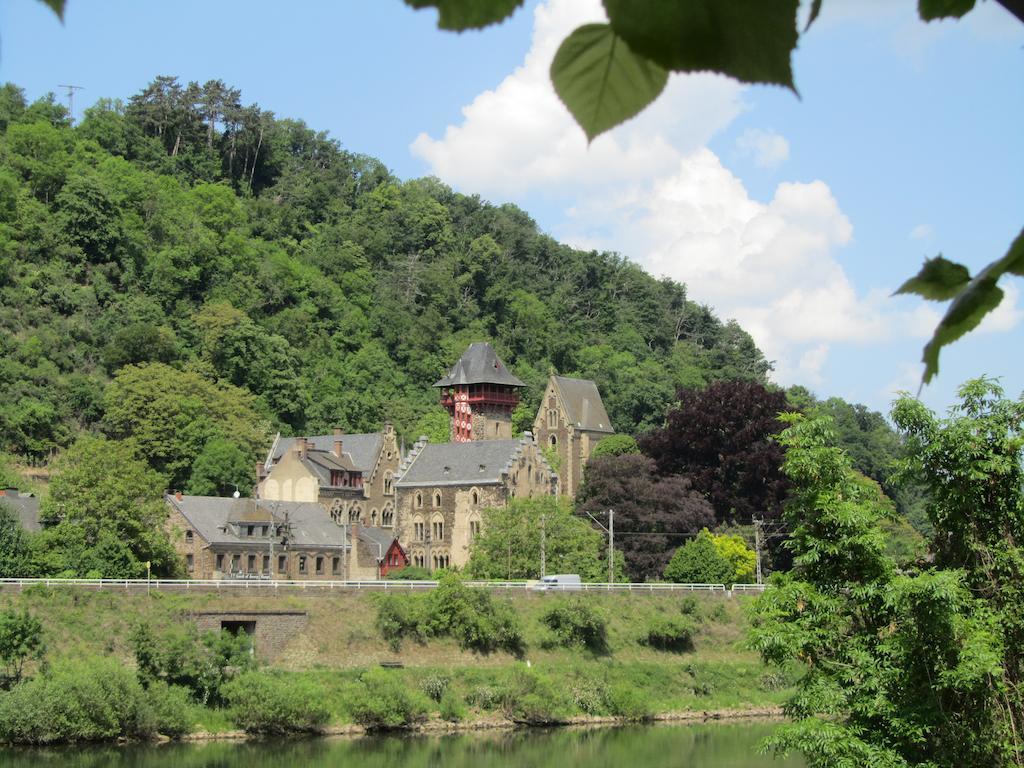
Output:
[[560, 582]]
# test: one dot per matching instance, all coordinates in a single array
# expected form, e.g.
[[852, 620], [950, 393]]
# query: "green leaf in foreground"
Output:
[[601, 81], [980, 297], [929, 10], [750, 40], [57, 6], [939, 280], [460, 15], [815, 10]]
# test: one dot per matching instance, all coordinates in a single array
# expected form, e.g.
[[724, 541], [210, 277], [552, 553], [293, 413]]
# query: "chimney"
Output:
[[300, 446], [178, 495], [337, 441], [3, 491]]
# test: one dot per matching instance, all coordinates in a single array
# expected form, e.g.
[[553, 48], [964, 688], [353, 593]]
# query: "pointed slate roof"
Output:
[[479, 364], [582, 403]]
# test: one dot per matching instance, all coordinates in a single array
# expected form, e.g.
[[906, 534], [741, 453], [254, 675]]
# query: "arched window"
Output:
[[387, 518], [437, 498], [437, 528], [553, 440], [552, 418], [373, 517], [474, 527], [419, 500], [388, 483], [476, 498], [419, 529], [354, 514]]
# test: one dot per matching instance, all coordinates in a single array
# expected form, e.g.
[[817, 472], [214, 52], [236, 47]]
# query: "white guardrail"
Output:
[[233, 585]]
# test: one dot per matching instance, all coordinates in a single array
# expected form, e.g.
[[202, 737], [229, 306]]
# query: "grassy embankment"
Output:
[[623, 675]]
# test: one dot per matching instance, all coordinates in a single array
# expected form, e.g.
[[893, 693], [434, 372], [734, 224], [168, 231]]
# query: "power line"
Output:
[[71, 98]]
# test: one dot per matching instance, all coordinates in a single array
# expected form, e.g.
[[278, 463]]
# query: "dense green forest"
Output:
[[252, 275]]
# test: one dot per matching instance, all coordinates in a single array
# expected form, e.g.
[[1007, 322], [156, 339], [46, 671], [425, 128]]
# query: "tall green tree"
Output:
[[510, 543], [15, 548], [901, 668], [110, 509]]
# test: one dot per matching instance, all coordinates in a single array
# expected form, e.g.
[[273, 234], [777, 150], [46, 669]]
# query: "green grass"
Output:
[[341, 643]]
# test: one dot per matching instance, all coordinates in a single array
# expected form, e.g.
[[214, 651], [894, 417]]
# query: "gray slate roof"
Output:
[[377, 536], [311, 526], [470, 463], [583, 405], [362, 449], [479, 365], [25, 508]]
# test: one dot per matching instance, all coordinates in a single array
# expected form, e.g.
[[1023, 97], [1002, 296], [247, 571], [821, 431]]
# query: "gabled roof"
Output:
[[479, 364], [311, 526], [362, 449], [582, 404], [478, 462], [380, 538]]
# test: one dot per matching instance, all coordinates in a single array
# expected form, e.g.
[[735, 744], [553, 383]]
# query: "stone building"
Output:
[[222, 538], [442, 490], [480, 394], [351, 476], [571, 420]]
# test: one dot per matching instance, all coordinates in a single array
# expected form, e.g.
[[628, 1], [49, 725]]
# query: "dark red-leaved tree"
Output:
[[721, 438], [650, 511]]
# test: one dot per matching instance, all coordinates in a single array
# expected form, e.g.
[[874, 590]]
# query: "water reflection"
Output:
[[732, 745]]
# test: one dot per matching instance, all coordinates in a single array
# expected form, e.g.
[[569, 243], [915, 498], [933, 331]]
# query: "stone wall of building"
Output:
[[272, 630]]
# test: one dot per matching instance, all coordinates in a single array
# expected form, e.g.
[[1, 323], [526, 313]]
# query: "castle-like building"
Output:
[[351, 506]]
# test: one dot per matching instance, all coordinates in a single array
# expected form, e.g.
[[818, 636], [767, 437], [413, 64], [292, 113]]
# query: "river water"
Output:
[[728, 745]]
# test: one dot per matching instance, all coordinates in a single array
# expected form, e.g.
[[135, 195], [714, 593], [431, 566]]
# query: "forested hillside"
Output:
[[182, 267]]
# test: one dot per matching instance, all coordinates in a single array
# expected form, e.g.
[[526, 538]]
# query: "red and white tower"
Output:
[[480, 394]]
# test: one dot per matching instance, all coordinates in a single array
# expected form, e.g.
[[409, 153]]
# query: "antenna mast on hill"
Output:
[[71, 98]]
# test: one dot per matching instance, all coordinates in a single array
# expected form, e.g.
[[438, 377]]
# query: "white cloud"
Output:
[[519, 136], [766, 148], [652, 190], [921, 232]]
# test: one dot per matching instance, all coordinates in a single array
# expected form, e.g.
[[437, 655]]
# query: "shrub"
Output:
[[576, 623], [628, 702], [533, 699], [699, 561], [93, 699], [434, 686], [171, 708], [472, 617], [21, 640], [181, 657], [689, 606], [670, 633], [261, 703], [588, 696], [398, 617], [486, 697], [451, 707], [410, 573], [381, 701]]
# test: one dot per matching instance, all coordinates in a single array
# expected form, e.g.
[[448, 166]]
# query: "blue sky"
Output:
[[796, 216]]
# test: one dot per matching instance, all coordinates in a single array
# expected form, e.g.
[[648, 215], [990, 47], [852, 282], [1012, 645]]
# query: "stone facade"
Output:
[[301, 472], [245, 539], [271, 631], [445, 488], [571, 420]]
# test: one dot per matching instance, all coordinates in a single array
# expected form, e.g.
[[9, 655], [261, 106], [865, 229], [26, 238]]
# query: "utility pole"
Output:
[[611, 546], [757, 545], [543, 542], [71, 98]]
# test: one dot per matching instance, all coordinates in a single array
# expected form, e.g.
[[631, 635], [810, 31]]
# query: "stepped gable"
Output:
[[481, 462], [583, 405], [479, 364], [361, 449]]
